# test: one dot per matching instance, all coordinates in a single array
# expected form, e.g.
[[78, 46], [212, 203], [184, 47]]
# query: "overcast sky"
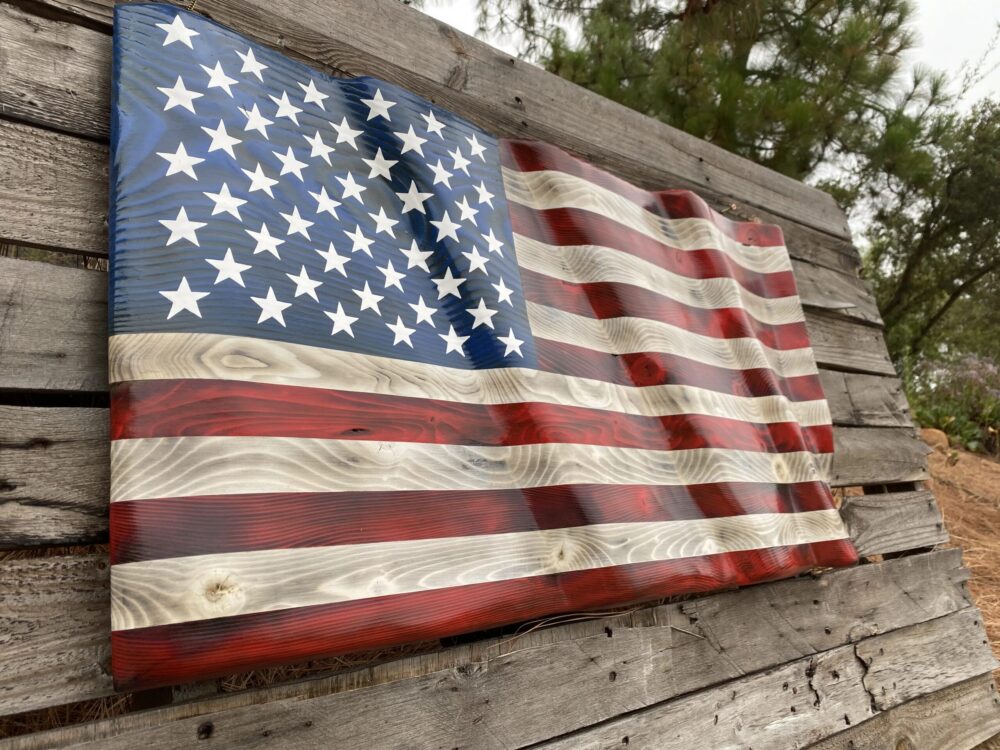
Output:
[[952, 33]]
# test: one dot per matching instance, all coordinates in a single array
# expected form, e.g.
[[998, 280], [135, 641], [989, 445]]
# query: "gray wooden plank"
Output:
[[495, 692], [845, 344], [892, 454], [516, 99], [53, 476], [893, 522], [54, 626], [862, 399], [54, 333], [956, 718], [806, 700]]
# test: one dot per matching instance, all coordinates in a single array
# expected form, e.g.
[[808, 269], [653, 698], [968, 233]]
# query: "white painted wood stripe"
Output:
[[627, 335], [172, 356], [588, 264], [143, 468], [547, 189], [185, 589]]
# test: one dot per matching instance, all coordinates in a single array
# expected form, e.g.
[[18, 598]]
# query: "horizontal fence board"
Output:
[[892, 455], [499, 691], [959, 717], [861, 399], [55, 621], [511, 98], [806, 700], [893, 522], [848, 345], [54, 476]]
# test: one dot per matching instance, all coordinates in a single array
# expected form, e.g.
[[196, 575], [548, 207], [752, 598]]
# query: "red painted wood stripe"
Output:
[[574, 226], [603, 300], [172, 408], [656, 368], [173, 654], [532, 156], [181, 526]]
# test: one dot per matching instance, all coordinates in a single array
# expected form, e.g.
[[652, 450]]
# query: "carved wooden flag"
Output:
[[378, 376]]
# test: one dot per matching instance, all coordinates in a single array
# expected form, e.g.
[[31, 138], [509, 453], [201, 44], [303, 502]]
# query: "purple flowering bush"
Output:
[[961, 396]]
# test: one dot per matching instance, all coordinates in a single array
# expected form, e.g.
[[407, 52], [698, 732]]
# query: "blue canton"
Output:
[[254, 196]]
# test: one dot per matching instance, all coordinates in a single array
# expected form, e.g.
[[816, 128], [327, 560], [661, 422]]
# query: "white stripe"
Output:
[[587, 264], [143, 468], [547, 189], [635, 335], [185, 589], [175, 356]]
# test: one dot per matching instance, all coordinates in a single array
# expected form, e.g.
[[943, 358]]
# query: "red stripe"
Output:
[[603, 300], [575, 226], [532, 156], [173, 654], [170, 408], [181, 526], [656, 368]]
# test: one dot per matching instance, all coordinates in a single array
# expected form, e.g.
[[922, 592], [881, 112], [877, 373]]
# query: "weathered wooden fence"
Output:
[[891, 653]]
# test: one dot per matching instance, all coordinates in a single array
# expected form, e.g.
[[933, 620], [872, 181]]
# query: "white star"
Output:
[[460, 161], [319, 148], [468, 212], [341, 320], [296, 224], [177, 32], [411, 141], [221, 139], [485, 196], [334, 260], [513, 344], [259, 180], [433, 124], [265, 242], [271, 308], [413, 199], [476, 148], [325, 202], [448, 284], [183, 299], [228, 268], [495, 244], [477, 262], [454, 341], [369, 301], [424, 312], [217, 78], [313, 94], [361, 242], [225, 202], [446, 228], [182, 228], [441, 174], [345, 134], [482, 314], [304, 285], [179, 96], [400, 332], [377, 106], [503, 293], [250, 64], [415, 257], [392, 276], [285, 107], [383, 223], [255, 120], [180, 161], [379, 165], [351, 188], [290, 164]]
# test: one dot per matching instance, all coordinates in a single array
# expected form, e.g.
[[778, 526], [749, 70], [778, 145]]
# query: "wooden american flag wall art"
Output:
[[378, 376]]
